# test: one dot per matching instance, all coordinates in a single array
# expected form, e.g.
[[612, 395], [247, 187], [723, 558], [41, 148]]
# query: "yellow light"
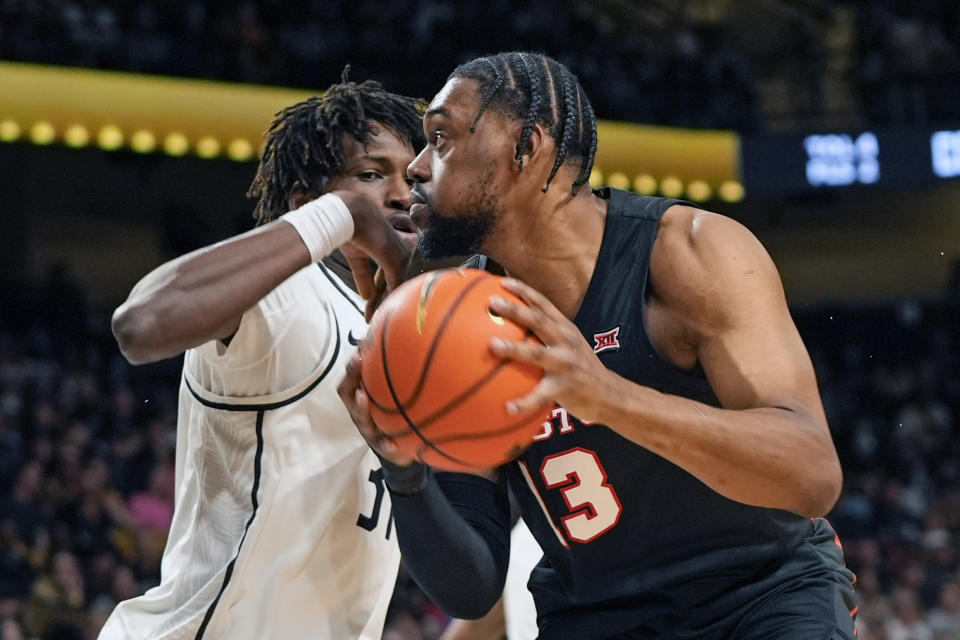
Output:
[[176, 144], [618, 180], [699, 191], [42, 132], [208, 147], [645, 184], [76, 136], [9, 131], [671, 186], [143, 141], [731, 191], [110, 138], [240, 150], [596, 178]]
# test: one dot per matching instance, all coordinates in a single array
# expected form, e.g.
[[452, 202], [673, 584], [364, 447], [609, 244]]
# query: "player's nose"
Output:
[[419, 169], [398, 194]]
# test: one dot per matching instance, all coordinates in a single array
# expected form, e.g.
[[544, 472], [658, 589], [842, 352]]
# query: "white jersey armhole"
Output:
[[280, 343]]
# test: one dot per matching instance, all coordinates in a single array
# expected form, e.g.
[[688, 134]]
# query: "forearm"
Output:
[[196, 297], [776, 457], [202, 295], [455, 542]]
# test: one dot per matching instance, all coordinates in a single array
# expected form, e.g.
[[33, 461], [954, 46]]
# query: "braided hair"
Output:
[[305, 141], [532, 88]]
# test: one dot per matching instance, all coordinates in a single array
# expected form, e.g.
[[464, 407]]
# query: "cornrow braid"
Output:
[[587, 168], [490, 91], [552, 97], [536, 98], [304, 143], [569, 124]]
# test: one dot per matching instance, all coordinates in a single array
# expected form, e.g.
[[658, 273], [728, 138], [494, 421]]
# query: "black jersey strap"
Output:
[[454, 536], [482, 262]]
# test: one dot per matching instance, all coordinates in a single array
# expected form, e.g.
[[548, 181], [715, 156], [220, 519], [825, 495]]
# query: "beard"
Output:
[[462, 235], [464, 231]]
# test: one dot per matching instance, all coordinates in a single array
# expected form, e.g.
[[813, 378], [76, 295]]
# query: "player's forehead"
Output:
[[457, 102], [382, 145]]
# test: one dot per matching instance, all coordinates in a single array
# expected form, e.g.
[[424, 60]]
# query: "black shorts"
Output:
[[808, 597], [809, 608], [813, 609]]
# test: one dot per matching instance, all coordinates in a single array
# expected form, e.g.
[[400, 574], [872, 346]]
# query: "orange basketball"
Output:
[[434, 386]]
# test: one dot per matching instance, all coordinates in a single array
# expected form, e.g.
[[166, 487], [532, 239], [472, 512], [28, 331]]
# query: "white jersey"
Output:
[[283, 526]]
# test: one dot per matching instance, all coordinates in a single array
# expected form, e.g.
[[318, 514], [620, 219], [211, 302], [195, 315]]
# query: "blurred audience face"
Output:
[[905, 605], [10, 630], [66, 571], [124, 584], [28, 481], [949, 599]]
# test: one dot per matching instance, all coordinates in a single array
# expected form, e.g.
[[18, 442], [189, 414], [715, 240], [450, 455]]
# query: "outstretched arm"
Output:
[[201, 296], [769, 444]]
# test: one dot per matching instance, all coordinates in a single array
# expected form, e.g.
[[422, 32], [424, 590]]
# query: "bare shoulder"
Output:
[[705, 265]]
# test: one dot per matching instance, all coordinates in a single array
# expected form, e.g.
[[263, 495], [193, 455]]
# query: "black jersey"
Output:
[[634, 545]]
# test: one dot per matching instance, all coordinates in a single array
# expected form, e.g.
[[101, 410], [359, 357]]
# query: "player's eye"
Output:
[[370, 176], [437, 137]]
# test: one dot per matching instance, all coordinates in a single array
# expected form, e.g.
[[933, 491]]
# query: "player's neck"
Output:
[[555, 248]]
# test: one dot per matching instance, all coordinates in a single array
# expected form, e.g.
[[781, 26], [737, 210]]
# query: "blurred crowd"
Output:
[[909, 62], [890, 380], [408, 45], [87, 443], [681, 71]]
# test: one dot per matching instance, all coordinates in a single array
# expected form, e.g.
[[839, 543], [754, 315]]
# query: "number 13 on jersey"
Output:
[[592, 502]]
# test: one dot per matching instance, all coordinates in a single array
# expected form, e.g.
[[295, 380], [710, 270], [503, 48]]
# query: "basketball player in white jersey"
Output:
[[282, 526]]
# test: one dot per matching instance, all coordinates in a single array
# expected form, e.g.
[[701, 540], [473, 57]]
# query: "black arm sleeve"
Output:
[[454, 536]]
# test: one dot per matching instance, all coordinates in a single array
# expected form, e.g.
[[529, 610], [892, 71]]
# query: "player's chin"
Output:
[[406, 230], [409, 240]]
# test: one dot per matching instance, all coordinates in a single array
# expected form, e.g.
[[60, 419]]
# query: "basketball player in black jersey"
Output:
[[678, 491]]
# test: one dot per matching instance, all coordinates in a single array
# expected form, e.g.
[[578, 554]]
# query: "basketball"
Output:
[[434, 386]]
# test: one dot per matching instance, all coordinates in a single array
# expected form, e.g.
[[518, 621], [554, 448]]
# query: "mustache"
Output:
[[417, 193]]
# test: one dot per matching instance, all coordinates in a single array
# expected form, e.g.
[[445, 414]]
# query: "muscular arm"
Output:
[[201, 296], [769, 444]]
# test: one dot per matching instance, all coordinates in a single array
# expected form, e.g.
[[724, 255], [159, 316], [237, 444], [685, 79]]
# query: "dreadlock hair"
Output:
[[532, 88], [305, 141]]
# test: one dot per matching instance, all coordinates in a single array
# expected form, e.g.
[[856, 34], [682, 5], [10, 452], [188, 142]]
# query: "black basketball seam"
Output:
[[418, 389], [396, 400], [479, 384], [471, 389], [482, 436]]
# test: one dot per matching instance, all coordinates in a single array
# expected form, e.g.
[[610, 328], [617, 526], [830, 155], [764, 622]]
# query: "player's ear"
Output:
[[535, 144], [299, 196]]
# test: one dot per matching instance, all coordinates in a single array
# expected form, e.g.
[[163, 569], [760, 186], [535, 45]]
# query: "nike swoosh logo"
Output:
[[352, 339]]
